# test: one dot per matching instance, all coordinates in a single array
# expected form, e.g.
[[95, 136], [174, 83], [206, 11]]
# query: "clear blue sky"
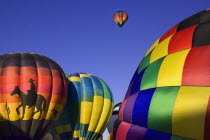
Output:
[[81, 36]]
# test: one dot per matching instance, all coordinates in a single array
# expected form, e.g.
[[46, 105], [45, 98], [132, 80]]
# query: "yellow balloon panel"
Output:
[[189, 115]]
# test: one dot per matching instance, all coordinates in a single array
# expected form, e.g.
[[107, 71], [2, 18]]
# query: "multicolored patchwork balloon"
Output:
[[33, 93], [88, 109], [169, 95], [120, 17]]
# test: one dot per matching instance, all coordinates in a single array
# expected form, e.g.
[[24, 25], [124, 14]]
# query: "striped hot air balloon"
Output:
[[33, 92], [120, 18], [88, 109], [169, 95]]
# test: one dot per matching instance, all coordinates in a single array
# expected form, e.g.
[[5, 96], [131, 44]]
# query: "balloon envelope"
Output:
[[168, 96], [88, 109], [33, 93]]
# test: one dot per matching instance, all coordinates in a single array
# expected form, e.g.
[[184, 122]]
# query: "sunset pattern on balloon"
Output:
[[32, 86], [120, 17], [168, 95], [88, 109]]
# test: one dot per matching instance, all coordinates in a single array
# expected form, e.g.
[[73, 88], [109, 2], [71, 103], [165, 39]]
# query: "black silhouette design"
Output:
[[1, 117], [30, 99], [55, 113], [8, 110]]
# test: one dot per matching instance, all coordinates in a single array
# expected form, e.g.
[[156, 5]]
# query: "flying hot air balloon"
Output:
[[31, 87], [120, 18], [88, 109], [168, 96]]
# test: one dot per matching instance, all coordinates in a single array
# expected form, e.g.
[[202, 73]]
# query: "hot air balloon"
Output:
[[87, 111], [32, 86], [113, 117], [168, 96], [120, 17]]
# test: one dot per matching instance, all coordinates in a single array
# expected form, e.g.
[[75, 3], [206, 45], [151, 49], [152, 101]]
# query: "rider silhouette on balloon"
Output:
[[32, 90], [30, 99]]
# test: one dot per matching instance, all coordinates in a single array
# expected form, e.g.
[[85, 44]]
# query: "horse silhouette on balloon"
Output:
[[31, 98]]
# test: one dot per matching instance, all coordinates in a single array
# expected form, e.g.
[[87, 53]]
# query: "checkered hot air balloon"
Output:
[[87, 111], [120, 18], [169, 95], [31, 87]]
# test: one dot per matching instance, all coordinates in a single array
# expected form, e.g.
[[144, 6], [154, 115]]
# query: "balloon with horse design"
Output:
[[88, 109], [29, 100], [32, 88]]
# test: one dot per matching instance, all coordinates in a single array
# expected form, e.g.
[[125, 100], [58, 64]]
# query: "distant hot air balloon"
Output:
[[88, 109], [113, 117], [31, 86], [169, 95], [120, 17]]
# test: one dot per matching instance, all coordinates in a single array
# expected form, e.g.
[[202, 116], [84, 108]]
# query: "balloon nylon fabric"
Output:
[[88, 109], [168, 95]]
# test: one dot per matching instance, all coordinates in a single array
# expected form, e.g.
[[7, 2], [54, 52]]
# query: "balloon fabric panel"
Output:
[[152, 47], [161, 109], [170, 32], [150, 77], [137, 82], [120, 116], [172, 68], [123, 132], [183, 125], [160, 51], [140, 116], [127, 107], [201, 35], [196, 68], [181, 40]]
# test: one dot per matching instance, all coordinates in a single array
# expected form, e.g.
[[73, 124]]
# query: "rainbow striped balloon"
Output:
[[33, 92], [168, 96], [120, 17], [88, 109]]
